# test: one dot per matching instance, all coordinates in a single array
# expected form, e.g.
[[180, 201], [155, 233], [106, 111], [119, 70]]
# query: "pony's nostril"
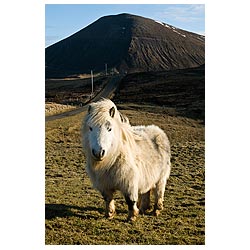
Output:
[[102, 153], [98, 154]]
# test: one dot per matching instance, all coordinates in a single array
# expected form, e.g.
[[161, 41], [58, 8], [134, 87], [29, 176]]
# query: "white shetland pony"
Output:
[[131, 159]]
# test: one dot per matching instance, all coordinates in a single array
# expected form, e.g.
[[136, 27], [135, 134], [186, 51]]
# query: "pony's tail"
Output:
[[163, 144]]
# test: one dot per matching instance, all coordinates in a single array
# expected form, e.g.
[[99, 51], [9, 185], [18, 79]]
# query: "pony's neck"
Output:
[[128, 137]]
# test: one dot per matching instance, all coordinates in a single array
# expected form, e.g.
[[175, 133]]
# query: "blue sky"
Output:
[[62, 20]]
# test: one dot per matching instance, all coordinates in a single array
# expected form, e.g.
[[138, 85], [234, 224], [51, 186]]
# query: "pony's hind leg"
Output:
[[110, 204], [159, 196], [144, 204]]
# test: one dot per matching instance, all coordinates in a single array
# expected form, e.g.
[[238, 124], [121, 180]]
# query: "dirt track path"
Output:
[[106, 92]]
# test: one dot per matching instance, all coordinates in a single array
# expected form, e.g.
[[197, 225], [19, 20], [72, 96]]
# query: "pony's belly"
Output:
[[145, 187]]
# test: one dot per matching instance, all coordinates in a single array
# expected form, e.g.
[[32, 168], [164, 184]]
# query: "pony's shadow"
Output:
[[63, 211]]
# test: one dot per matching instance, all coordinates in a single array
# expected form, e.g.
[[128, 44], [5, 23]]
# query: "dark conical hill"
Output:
[[126, 43]]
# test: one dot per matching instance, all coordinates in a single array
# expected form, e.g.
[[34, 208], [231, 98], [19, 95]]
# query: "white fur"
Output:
[[136, 158]]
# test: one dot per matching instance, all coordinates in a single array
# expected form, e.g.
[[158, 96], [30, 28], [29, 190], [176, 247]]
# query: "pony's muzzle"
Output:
[[98, 155]]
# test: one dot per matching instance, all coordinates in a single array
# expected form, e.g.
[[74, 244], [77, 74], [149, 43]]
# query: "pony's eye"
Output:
[[109, 129], [90, 129]]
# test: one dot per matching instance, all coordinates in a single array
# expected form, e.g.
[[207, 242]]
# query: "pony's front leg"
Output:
[[110, 205], [133, 211]]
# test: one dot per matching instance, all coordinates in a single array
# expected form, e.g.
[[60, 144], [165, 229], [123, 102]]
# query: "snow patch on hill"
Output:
[[170, 27]]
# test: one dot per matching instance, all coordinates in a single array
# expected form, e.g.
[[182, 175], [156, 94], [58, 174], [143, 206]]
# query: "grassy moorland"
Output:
[[73, 91], [74, 211]]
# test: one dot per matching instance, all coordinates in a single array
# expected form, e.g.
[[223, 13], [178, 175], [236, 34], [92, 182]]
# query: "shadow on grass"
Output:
[[61, 210]]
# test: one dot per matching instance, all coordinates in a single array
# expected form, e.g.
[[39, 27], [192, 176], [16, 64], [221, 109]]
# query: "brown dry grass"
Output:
[[55, 108], [75, 211]]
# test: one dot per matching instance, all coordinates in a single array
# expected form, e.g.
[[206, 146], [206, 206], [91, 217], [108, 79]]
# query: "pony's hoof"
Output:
[[132, 215], [131, 219], [110, 216], [157, 212]]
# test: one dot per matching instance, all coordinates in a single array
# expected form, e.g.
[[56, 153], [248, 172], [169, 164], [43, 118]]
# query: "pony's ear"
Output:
[[112, 112], [89, 108], [123, 118]]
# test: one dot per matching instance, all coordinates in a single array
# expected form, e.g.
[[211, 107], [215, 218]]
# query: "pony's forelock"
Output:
[[99, 112]]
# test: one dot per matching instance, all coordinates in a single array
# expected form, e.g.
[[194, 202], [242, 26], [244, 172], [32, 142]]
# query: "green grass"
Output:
[[75, 211]]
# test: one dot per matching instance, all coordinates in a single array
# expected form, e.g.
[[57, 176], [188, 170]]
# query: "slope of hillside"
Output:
[[179, 92], [126, 43]]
